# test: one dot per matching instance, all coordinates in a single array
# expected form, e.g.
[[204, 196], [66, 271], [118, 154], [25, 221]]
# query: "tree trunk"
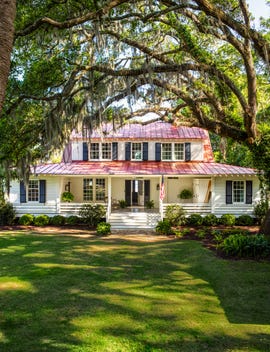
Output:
[[265, 227], [8, 13]]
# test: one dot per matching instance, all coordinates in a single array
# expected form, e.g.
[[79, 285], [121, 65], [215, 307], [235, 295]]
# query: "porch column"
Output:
[[161, 197], [109, 205]]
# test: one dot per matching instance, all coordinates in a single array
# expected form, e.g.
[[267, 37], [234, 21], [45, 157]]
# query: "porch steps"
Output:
[[133, 221]]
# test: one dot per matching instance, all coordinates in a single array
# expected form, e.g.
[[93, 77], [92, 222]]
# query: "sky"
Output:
[[259, 9]]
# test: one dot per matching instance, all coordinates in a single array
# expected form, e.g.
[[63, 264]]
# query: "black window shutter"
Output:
[[248, 192], [187, 152], [128, 150], [85, 151], [22, 192], [145, 151], [228, 192], [114, 151], [42, 191], [158, 151]]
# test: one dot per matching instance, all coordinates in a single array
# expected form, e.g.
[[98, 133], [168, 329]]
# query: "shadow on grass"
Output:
[[70, 294]]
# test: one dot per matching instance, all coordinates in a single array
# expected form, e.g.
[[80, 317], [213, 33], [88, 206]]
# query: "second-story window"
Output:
[[94, 151], [106, 150], [166, 151], [179, 151], [136, 152]]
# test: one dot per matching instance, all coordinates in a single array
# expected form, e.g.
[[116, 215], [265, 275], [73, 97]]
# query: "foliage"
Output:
[[227, 220], [67, 197], [244, 220], [26, 219], [164, 227], [260, 209], [150, 204], [253, 246], [205, 69], [7, 214], [41, 220], [185, 194], [195, 219], [122, 204], [72, 220], [92, 214], [57, 220], [175, 214], [210, 220], [181, 232], [202, 233], [103, 228]]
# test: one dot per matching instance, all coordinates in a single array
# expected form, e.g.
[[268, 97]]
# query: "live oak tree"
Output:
[[194, 62]]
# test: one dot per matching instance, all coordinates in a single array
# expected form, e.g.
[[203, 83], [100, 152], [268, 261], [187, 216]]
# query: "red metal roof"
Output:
[[141, 168], [153, 131]]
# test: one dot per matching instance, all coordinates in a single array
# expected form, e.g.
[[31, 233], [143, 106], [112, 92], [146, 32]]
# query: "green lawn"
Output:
[[61, 293]]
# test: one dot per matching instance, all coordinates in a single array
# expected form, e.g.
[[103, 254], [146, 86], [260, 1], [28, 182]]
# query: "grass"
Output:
[[61, 293]]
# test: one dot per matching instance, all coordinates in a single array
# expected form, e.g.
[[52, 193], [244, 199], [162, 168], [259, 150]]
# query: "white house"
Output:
[[135, 163]]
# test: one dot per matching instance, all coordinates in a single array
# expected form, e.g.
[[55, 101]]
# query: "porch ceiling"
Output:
[[140, 168]]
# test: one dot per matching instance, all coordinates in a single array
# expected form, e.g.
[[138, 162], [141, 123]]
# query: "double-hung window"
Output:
[[136, 151], [238, 192], [179, 151], [94, 151], [87, 189], [33, 191], [106, 151], [100, 189], [166, 151]]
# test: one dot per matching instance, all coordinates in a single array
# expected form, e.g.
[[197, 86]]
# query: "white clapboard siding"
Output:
[[191, 208]]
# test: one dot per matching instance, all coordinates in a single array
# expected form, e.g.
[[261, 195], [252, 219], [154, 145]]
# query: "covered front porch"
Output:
[[136, 194]]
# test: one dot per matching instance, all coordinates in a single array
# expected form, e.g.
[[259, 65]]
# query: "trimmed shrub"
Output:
[[260, 209], [195, 220], [26, 219], [72, 220], [7, 214], [103, 228], [210, 220], [244, 220], [227, 220], [176, 215], [58, 220], [252, 246], [92, 214], [164, 227], [41, 220]]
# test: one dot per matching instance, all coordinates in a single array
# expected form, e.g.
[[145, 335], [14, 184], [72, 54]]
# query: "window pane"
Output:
[[33, 191], [87, 189], [106, 151], [166, 151], [179, 151], [238, 191], [136, 151], [100, 189], [94, 151]]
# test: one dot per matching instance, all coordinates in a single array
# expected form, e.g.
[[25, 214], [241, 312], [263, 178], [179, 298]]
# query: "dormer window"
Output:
[[136, 153]]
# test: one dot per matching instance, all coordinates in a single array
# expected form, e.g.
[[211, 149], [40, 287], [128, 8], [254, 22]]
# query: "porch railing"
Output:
[[74, 208], [191, 208]]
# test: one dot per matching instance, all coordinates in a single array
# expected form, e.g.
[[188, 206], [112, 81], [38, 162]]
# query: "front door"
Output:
[[137, 192]]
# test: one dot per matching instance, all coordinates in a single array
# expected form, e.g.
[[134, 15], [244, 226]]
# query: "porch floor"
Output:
[[135, 209]]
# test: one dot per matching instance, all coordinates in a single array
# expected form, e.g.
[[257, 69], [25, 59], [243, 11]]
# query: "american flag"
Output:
[[162, 189]]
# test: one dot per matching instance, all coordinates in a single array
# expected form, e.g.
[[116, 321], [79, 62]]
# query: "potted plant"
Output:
[[122, 204], [67, 196], [185, 194], [149, 204]]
